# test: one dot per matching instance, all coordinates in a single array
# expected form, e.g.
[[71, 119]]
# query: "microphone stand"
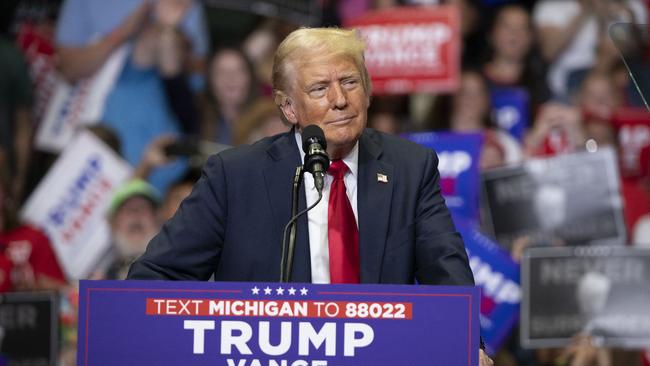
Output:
[[288, 248], [286, 263]]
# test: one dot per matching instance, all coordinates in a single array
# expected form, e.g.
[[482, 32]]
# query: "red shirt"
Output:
[[28, 248]]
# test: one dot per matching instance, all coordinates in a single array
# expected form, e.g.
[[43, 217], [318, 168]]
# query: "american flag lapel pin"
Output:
[[383, 178]]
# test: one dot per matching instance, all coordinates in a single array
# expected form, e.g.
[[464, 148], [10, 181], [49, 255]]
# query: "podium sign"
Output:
[[248, 324]]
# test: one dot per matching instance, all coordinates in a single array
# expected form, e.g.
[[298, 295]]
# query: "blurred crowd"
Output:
[[197, 79]]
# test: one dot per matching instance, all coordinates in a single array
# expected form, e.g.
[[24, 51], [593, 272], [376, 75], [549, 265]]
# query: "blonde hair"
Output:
[[316, 41]]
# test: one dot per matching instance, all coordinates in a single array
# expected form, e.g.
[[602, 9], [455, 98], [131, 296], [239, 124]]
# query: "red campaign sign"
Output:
[[411, 49]]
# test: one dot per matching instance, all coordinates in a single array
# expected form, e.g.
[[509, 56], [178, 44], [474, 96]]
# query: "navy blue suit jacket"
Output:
[[231, 225]]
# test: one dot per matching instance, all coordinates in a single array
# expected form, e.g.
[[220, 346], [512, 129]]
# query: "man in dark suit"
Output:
[[231, 225]]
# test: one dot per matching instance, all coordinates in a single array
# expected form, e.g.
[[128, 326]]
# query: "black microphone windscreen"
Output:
[[311, 134]]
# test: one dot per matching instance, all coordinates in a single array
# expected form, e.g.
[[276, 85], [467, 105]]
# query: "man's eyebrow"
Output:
[[349, 75], [316, 80], [325, 78]]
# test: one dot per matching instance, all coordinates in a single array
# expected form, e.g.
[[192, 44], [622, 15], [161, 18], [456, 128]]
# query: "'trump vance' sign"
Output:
[[254, 324], [411, 49]]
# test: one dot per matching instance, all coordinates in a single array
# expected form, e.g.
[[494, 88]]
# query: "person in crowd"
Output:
[[154, 156], [261, 120], [15, 110], [260, 45], [165, 37], [27, 259], [473, 31], [176, 193], [512, 61], [561, 128], [569, 32], [232, 87], [557, 129], [468, 110], [609, 62], [386, 114], [599, 100], [133, 222]]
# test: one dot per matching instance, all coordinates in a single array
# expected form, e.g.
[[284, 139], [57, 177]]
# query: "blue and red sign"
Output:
[[244, 324], [498, 277], [458, 164]]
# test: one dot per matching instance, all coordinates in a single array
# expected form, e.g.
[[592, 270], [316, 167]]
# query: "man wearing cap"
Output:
[[133, 219], [382, 218]]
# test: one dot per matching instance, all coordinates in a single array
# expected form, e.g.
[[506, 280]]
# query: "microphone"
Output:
[[316, 159], [316, 162]]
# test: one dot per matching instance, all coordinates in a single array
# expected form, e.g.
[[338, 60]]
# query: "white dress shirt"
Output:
[[317, 217]]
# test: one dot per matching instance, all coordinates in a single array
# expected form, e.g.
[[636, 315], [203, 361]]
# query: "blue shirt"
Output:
[[136, 109]]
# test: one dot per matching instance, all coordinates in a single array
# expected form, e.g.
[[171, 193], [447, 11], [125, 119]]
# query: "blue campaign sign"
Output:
[[273, 324], [498, 276], [458, 155], [511, 110]]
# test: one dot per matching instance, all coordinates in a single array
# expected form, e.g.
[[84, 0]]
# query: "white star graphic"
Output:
[[292, 291], [279, 291], [303, 291], [256, 291], [267, 290]]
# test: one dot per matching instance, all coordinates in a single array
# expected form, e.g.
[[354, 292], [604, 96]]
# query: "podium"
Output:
[[276, 324]]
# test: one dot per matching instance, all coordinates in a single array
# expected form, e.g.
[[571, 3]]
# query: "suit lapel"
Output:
[[278, 175], [375, 190]]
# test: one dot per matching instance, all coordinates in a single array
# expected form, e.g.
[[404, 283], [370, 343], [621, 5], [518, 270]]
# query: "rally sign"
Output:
[[73, 105], [498, 277], [254, 324], [600, 291], [71, 201], [511, 110], [458, 158], [29, 329], [411, 49], [570, 199]]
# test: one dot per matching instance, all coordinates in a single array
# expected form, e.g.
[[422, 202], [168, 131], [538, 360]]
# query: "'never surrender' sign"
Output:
[[255, 324]]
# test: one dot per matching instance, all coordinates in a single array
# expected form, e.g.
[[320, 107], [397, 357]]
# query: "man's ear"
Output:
[[289, 112]]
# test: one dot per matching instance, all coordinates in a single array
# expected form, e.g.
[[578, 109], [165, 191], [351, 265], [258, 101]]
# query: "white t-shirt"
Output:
[[581, 51]]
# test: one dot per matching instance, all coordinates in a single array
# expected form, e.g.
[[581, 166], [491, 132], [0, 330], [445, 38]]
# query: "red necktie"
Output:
[[342, 231]]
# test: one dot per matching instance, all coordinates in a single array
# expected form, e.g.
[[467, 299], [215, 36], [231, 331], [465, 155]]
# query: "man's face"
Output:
[[328, 91], [133, 225]]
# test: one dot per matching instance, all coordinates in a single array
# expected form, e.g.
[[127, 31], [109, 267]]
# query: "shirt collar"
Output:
[[351, 159]]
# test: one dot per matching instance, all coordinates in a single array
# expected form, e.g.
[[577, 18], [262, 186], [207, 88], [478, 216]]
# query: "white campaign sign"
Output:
[[82, 103], [71, 201]]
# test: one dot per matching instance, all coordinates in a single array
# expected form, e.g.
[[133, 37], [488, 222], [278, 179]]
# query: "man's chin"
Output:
[[131, 246]]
